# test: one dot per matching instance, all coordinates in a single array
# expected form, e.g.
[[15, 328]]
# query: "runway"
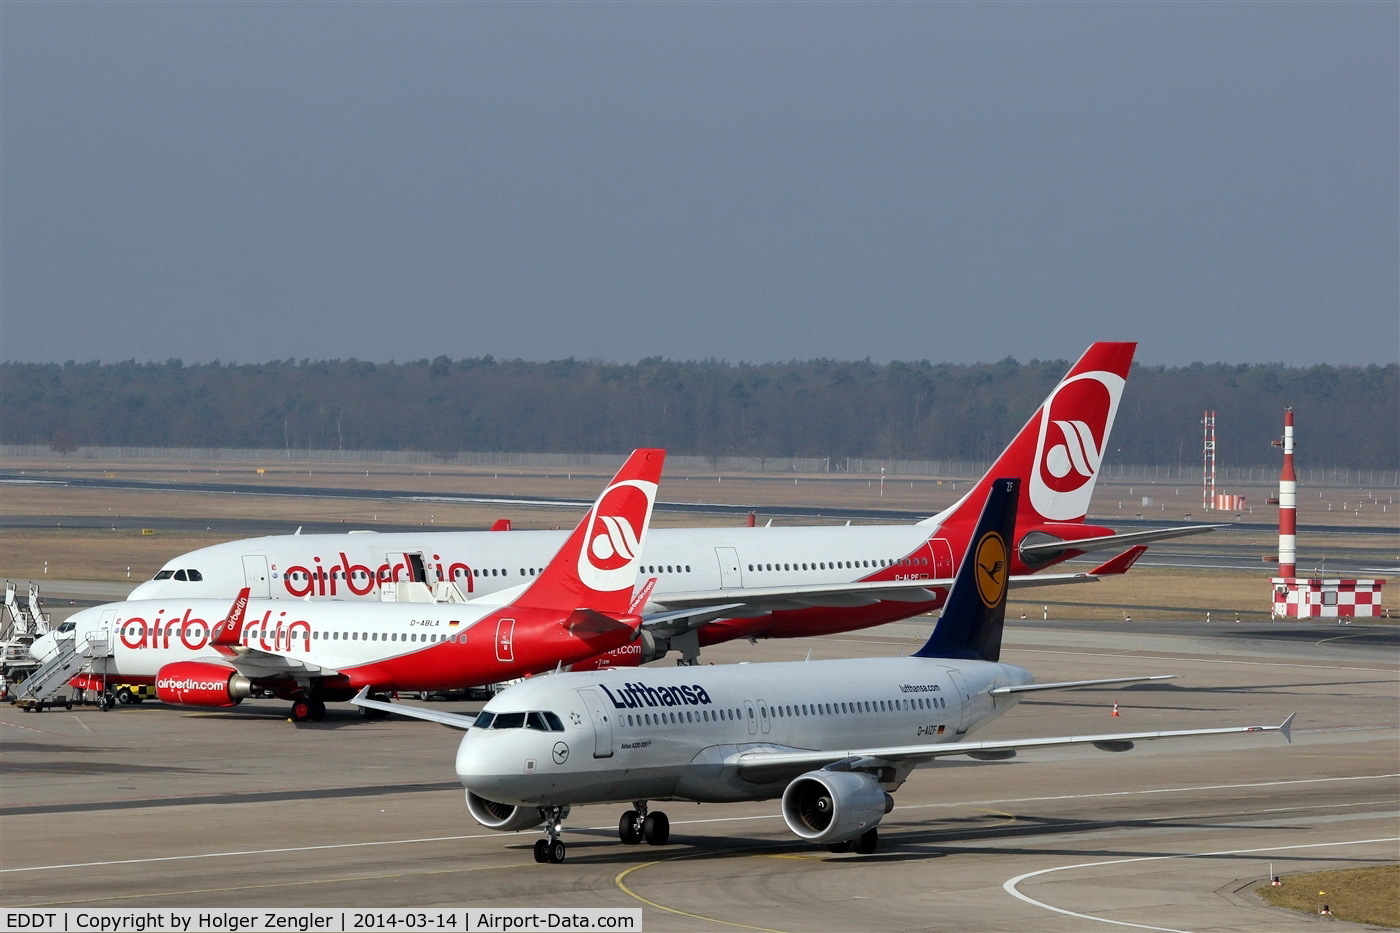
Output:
[[150, 806]]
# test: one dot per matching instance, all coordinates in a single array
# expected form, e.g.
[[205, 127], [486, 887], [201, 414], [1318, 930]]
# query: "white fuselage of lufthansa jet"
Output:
[[656, 733]]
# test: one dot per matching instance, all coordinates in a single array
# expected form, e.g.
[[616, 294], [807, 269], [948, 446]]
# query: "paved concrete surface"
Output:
[[152, 806]]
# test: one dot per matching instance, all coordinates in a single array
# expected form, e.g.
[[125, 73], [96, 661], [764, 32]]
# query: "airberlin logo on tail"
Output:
[[1074, 427], [614, 543], [1077, 453], [616, 526]]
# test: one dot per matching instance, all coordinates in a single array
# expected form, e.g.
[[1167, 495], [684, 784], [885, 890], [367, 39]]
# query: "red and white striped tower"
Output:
[[1287, 504], [1208, 463]]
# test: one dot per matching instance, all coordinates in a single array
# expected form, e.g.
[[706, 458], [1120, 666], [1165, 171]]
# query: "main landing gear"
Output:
[[637, 825], [551, 849], [305, 709]]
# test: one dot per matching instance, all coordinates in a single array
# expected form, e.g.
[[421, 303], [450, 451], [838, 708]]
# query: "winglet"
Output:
[[597, 566], [1120, 564], [501, 524], [972, 619], [639, 599], [1286, 729], [228, 632]]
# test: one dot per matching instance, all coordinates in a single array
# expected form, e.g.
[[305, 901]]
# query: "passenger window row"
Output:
[[728, 714], [844, 565]]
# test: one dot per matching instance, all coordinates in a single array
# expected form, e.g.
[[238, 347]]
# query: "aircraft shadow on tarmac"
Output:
[[896, 843]]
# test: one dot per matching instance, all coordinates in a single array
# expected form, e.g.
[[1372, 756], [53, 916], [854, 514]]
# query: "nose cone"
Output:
[[151, 589], [495, 763], [471, 769], [44, 647]]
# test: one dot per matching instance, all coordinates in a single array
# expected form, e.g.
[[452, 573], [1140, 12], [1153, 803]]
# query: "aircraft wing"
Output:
[[254, 663], [862, 593], [763, 766], [692, 609], [451, 720]]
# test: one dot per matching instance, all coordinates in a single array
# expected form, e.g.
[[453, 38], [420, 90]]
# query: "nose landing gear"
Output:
[[551, 849]]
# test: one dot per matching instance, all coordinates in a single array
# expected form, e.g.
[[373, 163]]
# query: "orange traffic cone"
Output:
[[1115, 708]]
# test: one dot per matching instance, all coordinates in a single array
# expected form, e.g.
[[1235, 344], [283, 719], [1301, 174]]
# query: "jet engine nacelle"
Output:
[[199, 683], [834, 806], [502, 817]]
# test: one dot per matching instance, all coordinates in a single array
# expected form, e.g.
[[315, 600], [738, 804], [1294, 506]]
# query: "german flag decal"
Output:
[[991, 569]]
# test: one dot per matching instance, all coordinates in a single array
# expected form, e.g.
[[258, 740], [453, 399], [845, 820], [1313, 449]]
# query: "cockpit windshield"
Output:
[[541, 720], [189, 575]]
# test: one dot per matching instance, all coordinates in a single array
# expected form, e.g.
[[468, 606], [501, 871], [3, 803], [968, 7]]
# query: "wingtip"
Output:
[[1285, 729]]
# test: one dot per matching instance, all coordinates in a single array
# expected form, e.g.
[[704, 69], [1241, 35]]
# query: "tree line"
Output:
[[1346, 415]]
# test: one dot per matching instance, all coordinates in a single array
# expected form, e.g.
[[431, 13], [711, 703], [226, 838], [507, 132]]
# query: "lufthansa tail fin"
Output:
[[597, 566], [972, 619], [1058, 452]]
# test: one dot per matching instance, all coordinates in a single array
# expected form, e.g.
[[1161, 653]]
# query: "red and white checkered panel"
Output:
[[1298, 598]]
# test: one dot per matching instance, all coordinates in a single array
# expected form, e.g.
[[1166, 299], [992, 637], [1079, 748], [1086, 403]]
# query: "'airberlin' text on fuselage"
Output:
[[279, 634], [360, 579]]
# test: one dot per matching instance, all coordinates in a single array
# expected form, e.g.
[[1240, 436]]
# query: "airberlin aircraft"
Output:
[[579, 606], [753, 582], [831, 739]]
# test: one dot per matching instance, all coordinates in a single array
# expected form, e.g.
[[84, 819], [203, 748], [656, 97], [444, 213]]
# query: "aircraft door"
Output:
[[765, 717], [505, 639], [602, 722], [100, 644], [942, 556], [255, 575], [101, 640], [406, 567], [729, 577], [752, 715], [964, 701]]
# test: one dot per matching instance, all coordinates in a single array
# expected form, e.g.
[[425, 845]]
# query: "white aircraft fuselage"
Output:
[[663, 734]]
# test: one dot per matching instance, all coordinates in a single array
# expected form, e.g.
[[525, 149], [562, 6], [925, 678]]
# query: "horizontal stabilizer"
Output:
[[1076, 684], [586, 622], [1120, 564]]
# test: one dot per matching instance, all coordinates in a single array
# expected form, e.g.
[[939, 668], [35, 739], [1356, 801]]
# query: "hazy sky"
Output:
[[748, 181]]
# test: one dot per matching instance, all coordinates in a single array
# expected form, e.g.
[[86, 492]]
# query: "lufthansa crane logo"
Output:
[[991, 569], [561, 753]]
